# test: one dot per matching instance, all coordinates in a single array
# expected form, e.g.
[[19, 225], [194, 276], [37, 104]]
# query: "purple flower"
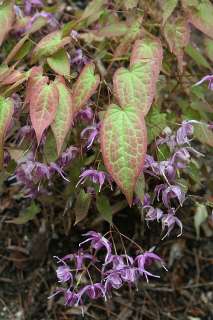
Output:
[[30, 4], [180, 158], [93, 291], [74, 35], [208, 78], [113, 280], [79, 258], [169, 221], [98, 242], [71, 298], [168, 193], [119, 262], [153, 214], [91, 133], [96, 176], [129, 274], [144, 260], [80, 60], [67, 156], [184, 132], [168, 138], [86, 114], [64, 274]]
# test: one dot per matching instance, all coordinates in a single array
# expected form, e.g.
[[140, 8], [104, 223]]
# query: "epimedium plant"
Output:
[[66, 113]]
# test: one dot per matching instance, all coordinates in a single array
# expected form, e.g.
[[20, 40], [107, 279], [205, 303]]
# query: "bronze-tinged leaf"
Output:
[[6, 18], [43, 100], [177, 34], [64, 114], [123, 146], [200, 14], [85, 87], [6, 113], [36, 79]]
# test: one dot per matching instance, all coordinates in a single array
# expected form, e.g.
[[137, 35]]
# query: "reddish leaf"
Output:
[[200, 14], [43, 100], [177, 33], [6, 18], [6, 112], [36, 79], [64, 114], [85, 86], [123, 145]]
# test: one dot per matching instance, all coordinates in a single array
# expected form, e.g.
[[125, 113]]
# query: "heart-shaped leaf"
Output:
[[85, 86], [137, 86], [177, 35], [6, 112], [200, 14], [49, 45], [6, 18], [123, 145], [43, 100], [59, 62], [64, 114]]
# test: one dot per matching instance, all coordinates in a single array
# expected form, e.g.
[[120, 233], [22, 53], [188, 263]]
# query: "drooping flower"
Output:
[[93, 291], [168, 193], [153, 214], [97, 242], [113, 280], [144, 260], [64, 274], [96, 176], [184, 132], [31, 4], [208, 78], [79, 257], [169, 221], [67, 156], [91, 133], [86, 114]]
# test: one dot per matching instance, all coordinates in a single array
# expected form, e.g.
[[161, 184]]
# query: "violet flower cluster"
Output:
[[31, 173], [168, 170], [77, 270]]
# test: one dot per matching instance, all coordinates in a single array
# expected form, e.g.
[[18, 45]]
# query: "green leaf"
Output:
[[50, 148], [137, 86], [104, 207], [6, 18], [6, 113], [123, 146], [93, 11], [27, 214], [85, 86], [156, 122], [197, 56], [59, 62], [177, 33], [48, 45], [82, 205], [64, 114], [203, 133], [209, 48], [168, 6], [200, 216], [200, 14]]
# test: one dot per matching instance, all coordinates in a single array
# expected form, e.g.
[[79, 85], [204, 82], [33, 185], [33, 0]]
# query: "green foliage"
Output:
[[104, 208], [156, 122], [27, 214], [123, 145]]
